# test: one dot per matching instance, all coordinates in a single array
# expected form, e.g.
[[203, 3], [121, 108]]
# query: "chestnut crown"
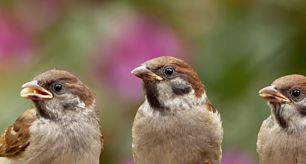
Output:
[[291, 86]]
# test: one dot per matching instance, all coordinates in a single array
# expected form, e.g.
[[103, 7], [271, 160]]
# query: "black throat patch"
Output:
[[277, 110], [40, 108], [152, 96]]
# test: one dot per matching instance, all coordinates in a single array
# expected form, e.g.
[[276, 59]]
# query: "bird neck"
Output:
[[42, 111]]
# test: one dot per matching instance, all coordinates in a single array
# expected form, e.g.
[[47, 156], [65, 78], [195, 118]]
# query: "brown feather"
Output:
[[71, 81], [291, 81], [211, 107], [16, 137], [181, 67]]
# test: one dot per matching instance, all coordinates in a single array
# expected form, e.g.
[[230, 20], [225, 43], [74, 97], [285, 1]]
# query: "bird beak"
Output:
[[273, 95], [144, 73], [33, 91]]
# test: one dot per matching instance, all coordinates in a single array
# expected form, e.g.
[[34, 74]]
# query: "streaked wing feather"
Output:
[[16, 137]]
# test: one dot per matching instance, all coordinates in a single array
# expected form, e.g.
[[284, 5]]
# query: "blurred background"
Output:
[[237, 47]]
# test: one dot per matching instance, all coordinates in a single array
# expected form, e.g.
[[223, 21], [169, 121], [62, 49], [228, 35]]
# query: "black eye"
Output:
[[296, 93], [169, 71], [57, 87]]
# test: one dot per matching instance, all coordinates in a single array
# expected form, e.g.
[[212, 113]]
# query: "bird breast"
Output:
[[73, 142], [278, 145], [180, 137]]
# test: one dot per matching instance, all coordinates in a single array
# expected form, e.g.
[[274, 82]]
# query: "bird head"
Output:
[[286, 97], [169, 81], [57, 92]]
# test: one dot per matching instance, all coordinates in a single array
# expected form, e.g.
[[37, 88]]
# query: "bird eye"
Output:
[[169, 71], [295, 92], [57, 87]]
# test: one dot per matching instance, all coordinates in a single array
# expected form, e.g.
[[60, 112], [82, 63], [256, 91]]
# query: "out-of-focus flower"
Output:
[[236, 157], [15, 44], [38, 15], [19, 26], [134, 42], [128, 161]]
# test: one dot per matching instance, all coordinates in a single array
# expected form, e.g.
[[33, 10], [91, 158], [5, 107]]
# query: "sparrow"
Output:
[[281, 138], [63, 127], [177, 123]]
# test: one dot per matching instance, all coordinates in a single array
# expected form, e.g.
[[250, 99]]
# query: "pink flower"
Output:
[[38, 15], [128, 161], [136, 41], [15, 44], [236, 158]]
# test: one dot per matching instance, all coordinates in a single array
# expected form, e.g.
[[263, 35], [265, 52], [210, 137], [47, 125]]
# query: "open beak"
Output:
[[33, 91], [144, 73], [273, 95]]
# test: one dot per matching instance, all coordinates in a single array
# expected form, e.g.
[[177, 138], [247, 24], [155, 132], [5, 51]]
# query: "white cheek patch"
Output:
[[185, 101], [81, 104], [76, 101], [164, 91], [292, 115], [301, 103]]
